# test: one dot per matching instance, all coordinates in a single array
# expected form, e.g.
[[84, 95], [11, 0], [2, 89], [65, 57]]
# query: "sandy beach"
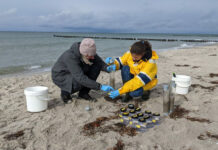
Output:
[[193, 125]]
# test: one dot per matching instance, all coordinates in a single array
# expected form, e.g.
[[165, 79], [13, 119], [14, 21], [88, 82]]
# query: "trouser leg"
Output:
[[126, 76]]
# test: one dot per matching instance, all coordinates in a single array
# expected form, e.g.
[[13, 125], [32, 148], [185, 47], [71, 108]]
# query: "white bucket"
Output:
[[36, 98], [182, 84]]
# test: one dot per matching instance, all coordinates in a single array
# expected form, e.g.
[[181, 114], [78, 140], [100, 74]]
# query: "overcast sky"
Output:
[[140, 16]]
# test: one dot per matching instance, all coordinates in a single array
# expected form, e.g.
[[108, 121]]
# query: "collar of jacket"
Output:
[[154, 56], [75, 49]]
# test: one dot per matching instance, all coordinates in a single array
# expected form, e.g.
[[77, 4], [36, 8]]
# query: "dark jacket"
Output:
[[68, 71]]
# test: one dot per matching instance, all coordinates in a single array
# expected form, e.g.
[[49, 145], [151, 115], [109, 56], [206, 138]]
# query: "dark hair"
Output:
[[142, 47]]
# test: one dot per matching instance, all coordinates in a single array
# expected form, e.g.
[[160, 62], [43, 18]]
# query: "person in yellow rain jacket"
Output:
[[138, 71]]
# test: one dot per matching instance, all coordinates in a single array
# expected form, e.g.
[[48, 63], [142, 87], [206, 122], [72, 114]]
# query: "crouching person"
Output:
[[138, 71], [77, 70]]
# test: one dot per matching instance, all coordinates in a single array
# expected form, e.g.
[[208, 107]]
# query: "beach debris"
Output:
[[182, 112], [118, 146], [177, 65], [94, 127], [95, 124], [208, 135], [202, 137], [213, 75], [210, 88], [196, 67], [213, 136], [179, 112], [213, 55], [14, 136], [214, 82], [198, 119]]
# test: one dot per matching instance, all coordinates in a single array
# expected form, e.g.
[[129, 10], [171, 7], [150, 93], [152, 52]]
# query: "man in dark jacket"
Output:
[[77, 70]]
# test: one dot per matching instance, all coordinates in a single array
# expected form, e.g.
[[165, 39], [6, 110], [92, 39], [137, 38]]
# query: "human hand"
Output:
[[106, 88], [109, 60], [114, 94], [111, 68]]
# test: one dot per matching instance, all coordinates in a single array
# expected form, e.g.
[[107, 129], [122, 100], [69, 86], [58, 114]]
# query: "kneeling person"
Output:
[[77, 70], [138, 71]]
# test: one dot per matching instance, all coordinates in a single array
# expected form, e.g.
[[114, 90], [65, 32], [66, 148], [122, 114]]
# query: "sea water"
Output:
[[22, 52]]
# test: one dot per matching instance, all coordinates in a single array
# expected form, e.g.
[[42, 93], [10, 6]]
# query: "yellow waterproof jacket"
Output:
[[145, 72]]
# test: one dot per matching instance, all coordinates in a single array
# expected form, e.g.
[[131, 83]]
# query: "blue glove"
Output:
[[114, 94], [109, 60], [106, 88], [111, 68]]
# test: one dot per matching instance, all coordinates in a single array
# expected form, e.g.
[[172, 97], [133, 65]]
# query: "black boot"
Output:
[[126, 98], [66, 97], [85, 96], [83, 93], [146, 95]]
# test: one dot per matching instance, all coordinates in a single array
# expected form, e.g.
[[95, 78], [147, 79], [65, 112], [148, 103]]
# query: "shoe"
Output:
[[146, 95], [126, 98], [66, 97], [86, 96]]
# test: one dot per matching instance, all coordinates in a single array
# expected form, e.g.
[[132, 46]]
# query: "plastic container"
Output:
[[140, 115], [132, 112], [138, 110], [149, 122], [36, 98], [131, 106], [183, 83], [134, 121], [148, 112], [156, 117], [142, 125], [122, 110], [124, 118]]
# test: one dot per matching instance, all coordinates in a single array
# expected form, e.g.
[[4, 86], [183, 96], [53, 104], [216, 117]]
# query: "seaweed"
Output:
[[123, 129], [117, 127], [14, 136], [213, 55], [198, 119], [177, 65], [201, 137], [179, 113], [214, 82], [210, 88], [118, 146], [97, 123], [209, 135], [196, 67], [213, 75]]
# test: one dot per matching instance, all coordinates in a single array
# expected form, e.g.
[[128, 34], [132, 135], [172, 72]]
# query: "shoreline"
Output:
[[48, 69]]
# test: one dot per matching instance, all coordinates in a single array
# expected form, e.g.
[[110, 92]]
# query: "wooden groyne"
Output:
[[127, 38]]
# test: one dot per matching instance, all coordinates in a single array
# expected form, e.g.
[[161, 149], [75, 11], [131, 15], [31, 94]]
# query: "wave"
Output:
[[25, 69]]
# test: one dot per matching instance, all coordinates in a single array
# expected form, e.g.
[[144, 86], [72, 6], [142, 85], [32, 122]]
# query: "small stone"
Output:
[[87, 108]]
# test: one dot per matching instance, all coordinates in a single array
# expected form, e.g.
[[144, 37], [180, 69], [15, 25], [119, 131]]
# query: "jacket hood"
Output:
[[75, 49], [154, 55]]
